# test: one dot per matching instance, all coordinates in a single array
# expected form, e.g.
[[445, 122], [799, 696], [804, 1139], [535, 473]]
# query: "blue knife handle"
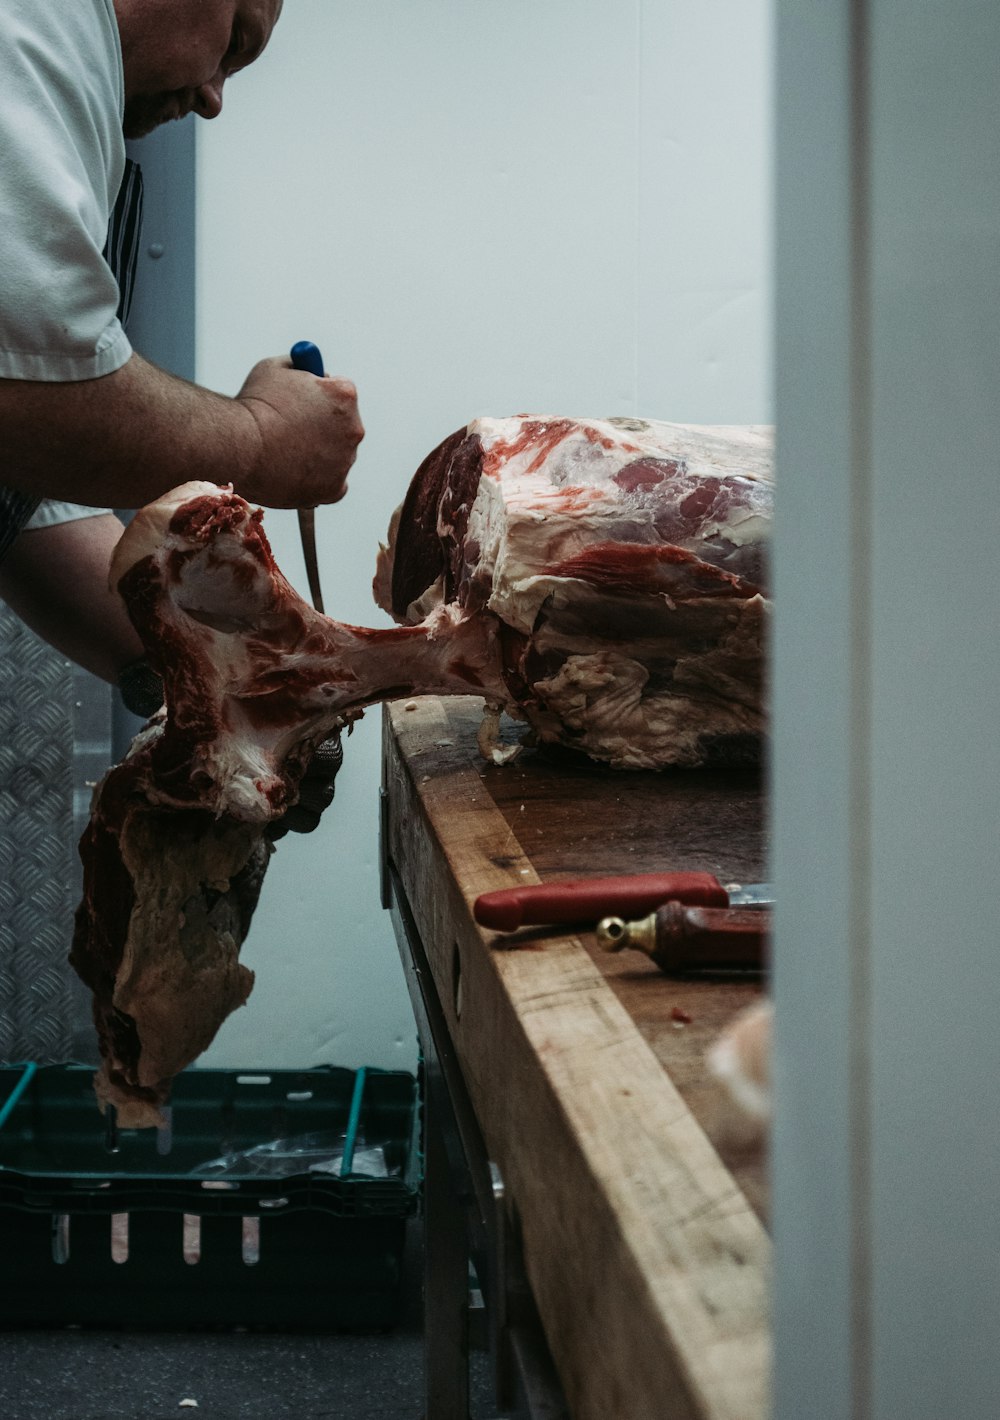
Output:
[[306, 356]]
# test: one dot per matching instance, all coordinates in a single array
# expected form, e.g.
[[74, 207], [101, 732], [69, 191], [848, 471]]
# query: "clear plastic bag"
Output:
[[304, 1153]]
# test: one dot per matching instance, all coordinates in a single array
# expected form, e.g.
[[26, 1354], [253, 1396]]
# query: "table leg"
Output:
[[446, 1282]]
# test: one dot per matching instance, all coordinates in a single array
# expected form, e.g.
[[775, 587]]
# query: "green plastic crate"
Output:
[[202, 1246]]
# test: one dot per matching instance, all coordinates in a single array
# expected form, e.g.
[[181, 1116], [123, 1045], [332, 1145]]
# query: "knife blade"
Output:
[[587, 899], [306, 356]]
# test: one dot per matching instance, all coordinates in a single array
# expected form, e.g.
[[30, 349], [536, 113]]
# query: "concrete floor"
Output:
[[104, 1375]]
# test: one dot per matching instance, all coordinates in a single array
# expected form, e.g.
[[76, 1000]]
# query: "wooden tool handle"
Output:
[[710, 938], [586, 899]]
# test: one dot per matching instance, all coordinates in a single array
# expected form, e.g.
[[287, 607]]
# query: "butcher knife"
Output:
[[587, 899], [682, 939], [306, 356]]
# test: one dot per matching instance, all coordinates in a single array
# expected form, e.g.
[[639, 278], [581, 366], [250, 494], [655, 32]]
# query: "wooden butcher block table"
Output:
[[640, 1221]]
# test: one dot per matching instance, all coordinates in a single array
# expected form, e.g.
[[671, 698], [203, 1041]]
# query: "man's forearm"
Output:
[[56, 579], [287, 439], [123, 439]]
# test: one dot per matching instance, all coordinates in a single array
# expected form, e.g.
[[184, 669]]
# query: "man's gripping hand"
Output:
[[315, 791], [308, 432]]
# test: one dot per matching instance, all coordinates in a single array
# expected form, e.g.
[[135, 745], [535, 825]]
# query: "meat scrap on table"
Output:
[[604, 581]]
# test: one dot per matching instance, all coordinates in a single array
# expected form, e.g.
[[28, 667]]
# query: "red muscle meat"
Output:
[[254, 679], [603, 581], [626, 561]]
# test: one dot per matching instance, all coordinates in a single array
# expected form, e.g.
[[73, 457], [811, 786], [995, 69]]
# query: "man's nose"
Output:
[[208, 96]]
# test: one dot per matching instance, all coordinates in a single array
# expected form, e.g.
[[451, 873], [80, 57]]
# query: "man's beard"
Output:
[[148, 111]]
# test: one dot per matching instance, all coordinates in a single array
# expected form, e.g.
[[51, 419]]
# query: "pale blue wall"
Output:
[[550, 205]]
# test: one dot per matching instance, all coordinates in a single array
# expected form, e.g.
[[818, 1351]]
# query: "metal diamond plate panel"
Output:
[[41, 1001]]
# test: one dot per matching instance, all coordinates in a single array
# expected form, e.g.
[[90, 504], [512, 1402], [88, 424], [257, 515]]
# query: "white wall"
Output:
[[551, 205]]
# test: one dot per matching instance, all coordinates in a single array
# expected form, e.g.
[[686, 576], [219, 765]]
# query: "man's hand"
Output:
[[287, 440], [315, 791], [309, 430]]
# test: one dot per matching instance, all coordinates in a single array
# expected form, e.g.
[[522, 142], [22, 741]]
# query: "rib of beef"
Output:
[[602, 580]]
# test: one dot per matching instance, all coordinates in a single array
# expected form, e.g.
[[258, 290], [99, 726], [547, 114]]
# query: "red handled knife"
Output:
[[587, 899]]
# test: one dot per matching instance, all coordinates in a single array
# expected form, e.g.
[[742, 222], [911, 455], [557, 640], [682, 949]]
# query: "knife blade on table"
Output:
[[588, 899], [306, 356]]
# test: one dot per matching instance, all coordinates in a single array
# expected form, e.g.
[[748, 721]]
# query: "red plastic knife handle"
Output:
[[587, 899]]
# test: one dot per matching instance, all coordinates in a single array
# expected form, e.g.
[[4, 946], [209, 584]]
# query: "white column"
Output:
[[887, 685]]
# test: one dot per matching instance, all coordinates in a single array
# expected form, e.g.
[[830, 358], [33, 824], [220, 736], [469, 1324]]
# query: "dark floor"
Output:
[[103, 1375]]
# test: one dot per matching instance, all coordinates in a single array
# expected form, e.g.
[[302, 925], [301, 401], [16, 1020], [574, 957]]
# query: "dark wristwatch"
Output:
[[141, 689]]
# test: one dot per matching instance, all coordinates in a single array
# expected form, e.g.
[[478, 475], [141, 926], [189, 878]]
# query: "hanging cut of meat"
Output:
[[254, 679], [602, 580]]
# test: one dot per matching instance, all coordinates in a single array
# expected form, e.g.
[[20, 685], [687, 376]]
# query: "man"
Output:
[[83, 417]]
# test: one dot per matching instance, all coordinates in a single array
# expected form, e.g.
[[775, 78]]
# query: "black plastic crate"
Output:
[[160, 1233]]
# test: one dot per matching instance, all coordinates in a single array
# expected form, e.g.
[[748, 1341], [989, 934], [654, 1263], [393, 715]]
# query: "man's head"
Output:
[[178, 54]]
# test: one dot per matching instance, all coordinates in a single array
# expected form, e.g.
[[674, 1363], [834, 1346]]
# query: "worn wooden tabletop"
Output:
[[641, 1208]]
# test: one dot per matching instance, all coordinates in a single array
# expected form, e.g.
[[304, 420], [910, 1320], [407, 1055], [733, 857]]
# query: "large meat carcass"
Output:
[[602, 580], [625, 563]]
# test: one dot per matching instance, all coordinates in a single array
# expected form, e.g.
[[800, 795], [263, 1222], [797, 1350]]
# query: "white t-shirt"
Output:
[[62, 155], [51, 511]]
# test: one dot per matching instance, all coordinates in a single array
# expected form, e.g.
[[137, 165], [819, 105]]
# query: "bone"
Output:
[[254, 677]]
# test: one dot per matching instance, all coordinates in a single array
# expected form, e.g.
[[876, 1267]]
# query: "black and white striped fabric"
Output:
[[15, 510], [121, 252]]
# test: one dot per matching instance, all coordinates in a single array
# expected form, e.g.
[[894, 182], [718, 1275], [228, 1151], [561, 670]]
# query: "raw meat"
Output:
[[626, 561], [175, 852], [603, 580], [168, 898], [253, 677], [740, 1059]]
